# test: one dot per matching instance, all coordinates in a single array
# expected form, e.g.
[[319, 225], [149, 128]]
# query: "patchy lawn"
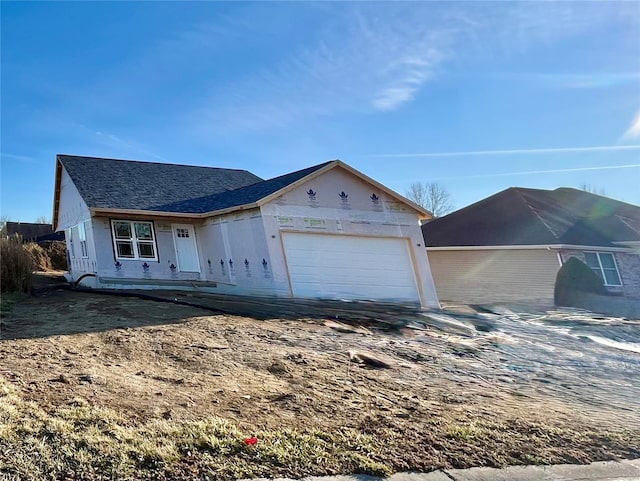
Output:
[[96, 387]]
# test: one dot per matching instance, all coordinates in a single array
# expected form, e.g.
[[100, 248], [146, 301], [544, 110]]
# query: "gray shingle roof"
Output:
[[125, 184], [241, 196], [29, 231], [520, 216]]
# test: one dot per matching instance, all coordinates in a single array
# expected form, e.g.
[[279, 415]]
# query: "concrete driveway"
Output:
[[627, 470]]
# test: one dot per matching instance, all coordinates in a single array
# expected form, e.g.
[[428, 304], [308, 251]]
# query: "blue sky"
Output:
[[475, 96]]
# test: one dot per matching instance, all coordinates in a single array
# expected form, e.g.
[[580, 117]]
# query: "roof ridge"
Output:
[[245, 194], [313, 168], [88, 157], [625, 221], [469, 207], [586, 193], [535, 212]]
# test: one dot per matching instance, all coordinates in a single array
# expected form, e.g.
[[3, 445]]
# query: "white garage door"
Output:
[[501, 275], [350, 267]]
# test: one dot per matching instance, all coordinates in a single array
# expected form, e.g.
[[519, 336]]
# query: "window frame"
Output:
[[134, 241], [72, 250], [602, 269], [82, 236]]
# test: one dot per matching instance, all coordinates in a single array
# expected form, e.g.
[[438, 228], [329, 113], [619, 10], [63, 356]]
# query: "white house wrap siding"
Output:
[[499, 275], [232, 240], [74, 211], [318, 207]]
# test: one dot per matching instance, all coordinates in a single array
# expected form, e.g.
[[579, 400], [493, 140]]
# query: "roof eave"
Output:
[[424, 214], [532, 246], [634, 244], [56, 194], [103, 211], [293, 185]]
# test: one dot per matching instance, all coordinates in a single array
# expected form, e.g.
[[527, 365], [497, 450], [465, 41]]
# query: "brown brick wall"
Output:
[[628, 267]]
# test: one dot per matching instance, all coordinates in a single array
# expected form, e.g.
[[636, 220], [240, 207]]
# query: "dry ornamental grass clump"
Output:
[[16, 265], [39, 256], [57, 253]]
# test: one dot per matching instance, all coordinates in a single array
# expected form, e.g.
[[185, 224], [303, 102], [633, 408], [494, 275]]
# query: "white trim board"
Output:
[[529, 247]]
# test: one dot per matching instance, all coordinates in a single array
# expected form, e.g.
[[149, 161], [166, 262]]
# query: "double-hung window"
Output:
[[604, 265], [72, 250], [133, 240], [82, 236]]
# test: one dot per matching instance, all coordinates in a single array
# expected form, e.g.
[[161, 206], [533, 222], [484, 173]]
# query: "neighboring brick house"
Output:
[[510, 246], [34, 232]]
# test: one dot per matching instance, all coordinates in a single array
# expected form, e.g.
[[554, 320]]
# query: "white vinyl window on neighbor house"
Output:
[[133, 240], [604, 265]]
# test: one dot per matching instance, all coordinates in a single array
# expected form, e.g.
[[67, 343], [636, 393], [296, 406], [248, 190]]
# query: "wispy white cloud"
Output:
[[120, 145], [585, 80], [598, 148], [22, 158], [522, 24], [361, 62], [408, 76], [597, 81], [347, 58], [633, 132], [367, 58], [537, 172]]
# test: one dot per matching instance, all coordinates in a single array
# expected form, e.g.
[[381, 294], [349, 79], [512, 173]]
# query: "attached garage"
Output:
[[494, 275], [350, 267], [325, 232]]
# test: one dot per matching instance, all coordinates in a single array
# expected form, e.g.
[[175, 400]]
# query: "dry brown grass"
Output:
[[57, 253], [47, 257], [39, 258], [16, 265], [80, 441], [96, 387]]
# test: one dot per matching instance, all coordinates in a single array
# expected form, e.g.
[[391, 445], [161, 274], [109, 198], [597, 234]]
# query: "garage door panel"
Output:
[[520, 275], [350, 267], [336, 256]]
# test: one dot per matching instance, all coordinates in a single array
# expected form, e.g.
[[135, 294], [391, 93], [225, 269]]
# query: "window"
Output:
[[604, 264], [82, 236], [72, 251], [133, 240]]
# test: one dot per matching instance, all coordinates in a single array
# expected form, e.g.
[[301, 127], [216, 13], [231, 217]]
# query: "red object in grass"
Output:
[[251, 441]]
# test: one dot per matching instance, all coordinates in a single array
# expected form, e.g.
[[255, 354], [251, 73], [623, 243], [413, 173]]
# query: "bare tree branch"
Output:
[[432, 196], [592, 189], [3, 225]]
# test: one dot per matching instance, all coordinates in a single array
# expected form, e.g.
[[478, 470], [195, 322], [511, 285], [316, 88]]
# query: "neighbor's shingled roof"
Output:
[[129, 184], [33, 232], [520, 216], [134, 185]]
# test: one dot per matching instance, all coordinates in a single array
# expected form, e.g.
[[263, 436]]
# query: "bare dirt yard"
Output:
[[105, 387]]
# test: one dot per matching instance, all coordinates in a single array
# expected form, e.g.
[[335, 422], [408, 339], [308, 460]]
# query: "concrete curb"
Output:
[[626, 470]]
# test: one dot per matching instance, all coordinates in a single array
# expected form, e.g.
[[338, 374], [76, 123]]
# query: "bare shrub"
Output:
[[16, 265], [39, 257], [57, 253]]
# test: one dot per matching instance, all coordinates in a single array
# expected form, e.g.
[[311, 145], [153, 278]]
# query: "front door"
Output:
[[186, 249]]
